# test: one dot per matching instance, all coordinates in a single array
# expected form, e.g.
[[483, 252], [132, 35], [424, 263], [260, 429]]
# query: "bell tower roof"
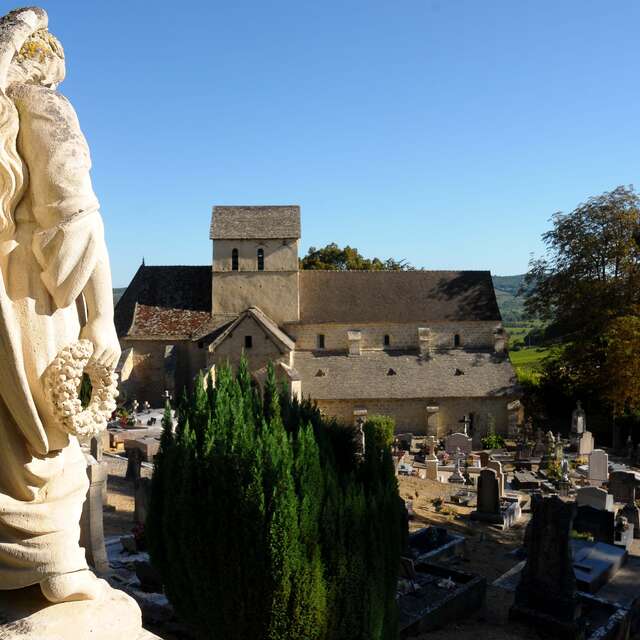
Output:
[[255, 223]]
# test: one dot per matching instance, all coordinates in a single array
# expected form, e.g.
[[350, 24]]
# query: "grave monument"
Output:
[[546, 595], [56, 322]]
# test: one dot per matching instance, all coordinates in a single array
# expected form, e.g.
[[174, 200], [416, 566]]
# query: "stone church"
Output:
[[425, 347]]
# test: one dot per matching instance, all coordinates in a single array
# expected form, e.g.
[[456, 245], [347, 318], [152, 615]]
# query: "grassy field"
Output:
[[528, 361]]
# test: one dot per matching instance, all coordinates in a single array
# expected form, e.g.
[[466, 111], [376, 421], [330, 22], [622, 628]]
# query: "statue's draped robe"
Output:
[[46, 262]]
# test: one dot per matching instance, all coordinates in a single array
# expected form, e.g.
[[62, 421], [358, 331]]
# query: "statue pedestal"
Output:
[[26, 615]]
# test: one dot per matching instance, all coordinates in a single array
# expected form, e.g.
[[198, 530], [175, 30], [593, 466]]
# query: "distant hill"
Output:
[[511, 304], [507, 287], [117, 294]]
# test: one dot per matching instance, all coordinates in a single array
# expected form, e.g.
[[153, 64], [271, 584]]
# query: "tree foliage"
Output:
[[334, 258], [264, 524], [588, 288], [591, 272]]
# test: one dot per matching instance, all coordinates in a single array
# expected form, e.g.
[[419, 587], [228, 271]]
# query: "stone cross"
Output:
[[466, 423], [431, 448], [457, 476]]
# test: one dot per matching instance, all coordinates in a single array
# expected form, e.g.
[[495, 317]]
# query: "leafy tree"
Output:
[[622, 364], [334, 258], [587, 288], [591, 272]]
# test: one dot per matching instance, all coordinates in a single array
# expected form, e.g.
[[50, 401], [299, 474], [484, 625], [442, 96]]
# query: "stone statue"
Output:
[[56, 317]]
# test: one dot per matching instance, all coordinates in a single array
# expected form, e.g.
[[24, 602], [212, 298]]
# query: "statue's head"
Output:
[[39, 61]]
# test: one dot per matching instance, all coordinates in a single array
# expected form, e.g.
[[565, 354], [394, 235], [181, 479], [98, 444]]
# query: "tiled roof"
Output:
[[382, 374], [165, 303], [260, 223], [396, 296]]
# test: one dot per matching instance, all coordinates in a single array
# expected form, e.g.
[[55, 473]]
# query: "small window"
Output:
[[387, 340], [234, 260], [320, 341], [260, 259], [248, 342], [391, 372], [456, 340], [458, 372], [321, 373]]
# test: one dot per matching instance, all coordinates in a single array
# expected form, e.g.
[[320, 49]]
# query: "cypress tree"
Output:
[[263, 523]]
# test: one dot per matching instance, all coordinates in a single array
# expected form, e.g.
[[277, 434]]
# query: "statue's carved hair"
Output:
[[11, 166]]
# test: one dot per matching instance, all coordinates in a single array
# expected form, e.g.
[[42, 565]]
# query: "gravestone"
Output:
[[96, 447], [497, 467], [134, 463], [585, 444], [599, 523], [431, 448], [632, 514], [142, 497], [91, 520], [488, 506], [578, 420], [431, 469], [546, 595], [488, 492], [622, 484], [598, 472], [458, 441], [594, 497], [484, 458]]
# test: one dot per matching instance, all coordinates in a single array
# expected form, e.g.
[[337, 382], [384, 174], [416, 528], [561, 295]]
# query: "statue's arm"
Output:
[[100, 330], [69, 243]]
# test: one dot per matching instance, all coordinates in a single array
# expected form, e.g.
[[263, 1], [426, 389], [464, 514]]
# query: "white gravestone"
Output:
[[585, 444], [594, 497], [598, 467], [578, 419], [458, 441], [496, 465]]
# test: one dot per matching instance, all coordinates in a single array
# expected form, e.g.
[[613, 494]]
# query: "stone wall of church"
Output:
[[411, 414], [474, 335], [275, 293], [160, 365], [262, 350]]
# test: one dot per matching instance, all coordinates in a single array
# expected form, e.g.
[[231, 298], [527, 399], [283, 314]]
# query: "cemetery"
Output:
[[472, 517]]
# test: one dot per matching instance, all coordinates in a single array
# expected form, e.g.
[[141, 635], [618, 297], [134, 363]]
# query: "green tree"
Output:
[[588, 281], [263, 527], [382, 430], [622, 364], [334, 258]]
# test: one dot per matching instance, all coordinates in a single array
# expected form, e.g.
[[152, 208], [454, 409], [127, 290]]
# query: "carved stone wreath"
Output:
[[62, 381]]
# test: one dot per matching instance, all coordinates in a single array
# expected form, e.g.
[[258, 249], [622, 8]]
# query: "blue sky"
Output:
[[445, 132]]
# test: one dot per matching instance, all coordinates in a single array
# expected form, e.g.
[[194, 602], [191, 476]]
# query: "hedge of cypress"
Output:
[[264, 523]]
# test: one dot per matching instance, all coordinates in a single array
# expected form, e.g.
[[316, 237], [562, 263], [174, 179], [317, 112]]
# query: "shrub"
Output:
[[381, 430], [263, 523], [492, 440]]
